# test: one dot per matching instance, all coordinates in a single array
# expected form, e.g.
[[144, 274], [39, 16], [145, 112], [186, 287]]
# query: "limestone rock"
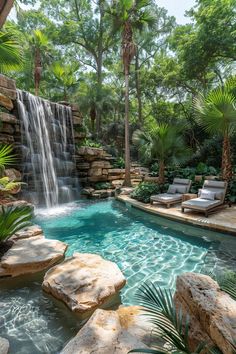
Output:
[[110, 332], [84, 282], [6, 139], [117, 183], [31, 255], [95, 172], [30, 231], [7, 128], [83, 166], [9, 93], [13, 174], [101, 178], [87, 191], [4, 346], [201, 297], [7, 82], [100, 164], [8, 118], [126, 190], [6, 102]]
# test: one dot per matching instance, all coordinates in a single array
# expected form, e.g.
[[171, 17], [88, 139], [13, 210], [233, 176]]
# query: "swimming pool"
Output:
[[145, 247]]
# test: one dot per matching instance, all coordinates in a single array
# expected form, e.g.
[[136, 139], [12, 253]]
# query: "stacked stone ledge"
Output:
[[94, 165], [10, 125]]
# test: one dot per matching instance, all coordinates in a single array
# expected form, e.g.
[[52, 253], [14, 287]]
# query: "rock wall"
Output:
[[212, 312], [9, 124], [95, 166]]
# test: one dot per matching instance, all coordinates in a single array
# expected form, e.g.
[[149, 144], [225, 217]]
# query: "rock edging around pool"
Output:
[[31, 252], [85, 282], [109, 332]]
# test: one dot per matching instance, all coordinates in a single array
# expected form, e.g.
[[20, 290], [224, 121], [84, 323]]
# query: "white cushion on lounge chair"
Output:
[[200, 203], [166, 197]]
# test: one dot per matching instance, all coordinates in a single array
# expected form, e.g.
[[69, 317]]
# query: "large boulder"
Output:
[[31, 255], [4, 346], [212, 311], [84, 282], [111, 332]]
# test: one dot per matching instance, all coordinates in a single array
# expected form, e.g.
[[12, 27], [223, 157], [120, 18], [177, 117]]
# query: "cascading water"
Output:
[[47, 150]]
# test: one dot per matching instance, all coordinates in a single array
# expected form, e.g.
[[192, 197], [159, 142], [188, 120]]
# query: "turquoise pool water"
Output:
[[145, 247]]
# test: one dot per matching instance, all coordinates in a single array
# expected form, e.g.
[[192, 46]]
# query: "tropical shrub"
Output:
[[154, 169], [227, 283], [102, 185], [170, 324], [13, 219], [91, 143], [119, 163], [9, 187], [231, 192], [164, 143], [144, 191]]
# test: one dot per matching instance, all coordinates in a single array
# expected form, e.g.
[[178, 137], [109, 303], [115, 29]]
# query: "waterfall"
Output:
[[47, 150]]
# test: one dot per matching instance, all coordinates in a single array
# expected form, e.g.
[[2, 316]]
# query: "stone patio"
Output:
[[223, 220]]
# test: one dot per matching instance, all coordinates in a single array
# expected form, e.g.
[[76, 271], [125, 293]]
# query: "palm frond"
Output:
[[13, 219], [6, 156], [10, 52]]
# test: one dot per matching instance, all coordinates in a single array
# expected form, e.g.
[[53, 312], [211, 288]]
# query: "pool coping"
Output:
[[174, 214]]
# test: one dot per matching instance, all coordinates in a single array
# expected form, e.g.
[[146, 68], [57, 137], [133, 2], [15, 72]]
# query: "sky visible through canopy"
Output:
[[175, 8]]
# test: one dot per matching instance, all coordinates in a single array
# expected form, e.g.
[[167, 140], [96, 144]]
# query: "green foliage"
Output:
[[144, 191], [6, 156], [154, 169], [13, 219], [7, 186], [91, 143], [10, 52], [163, 142], [102, 185], [170, 324], [227, 283], [119, 163], [231, 191], [217, 109]]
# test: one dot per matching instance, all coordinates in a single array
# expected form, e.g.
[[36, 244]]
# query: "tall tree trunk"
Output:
[[37, 70], [226, 166], [127, 181], [161, 179], [99, 67], [138, 89], [99, 95], [5, 8]]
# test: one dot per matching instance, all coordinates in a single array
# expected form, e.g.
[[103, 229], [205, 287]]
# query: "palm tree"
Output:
[[217, 111], [65, 77], [163, 142], [39, 43], [129, 16], [10, 53], [169, 323]]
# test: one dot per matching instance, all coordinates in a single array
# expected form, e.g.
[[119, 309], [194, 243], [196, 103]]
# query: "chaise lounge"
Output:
[[210, 198], [174, 194]]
